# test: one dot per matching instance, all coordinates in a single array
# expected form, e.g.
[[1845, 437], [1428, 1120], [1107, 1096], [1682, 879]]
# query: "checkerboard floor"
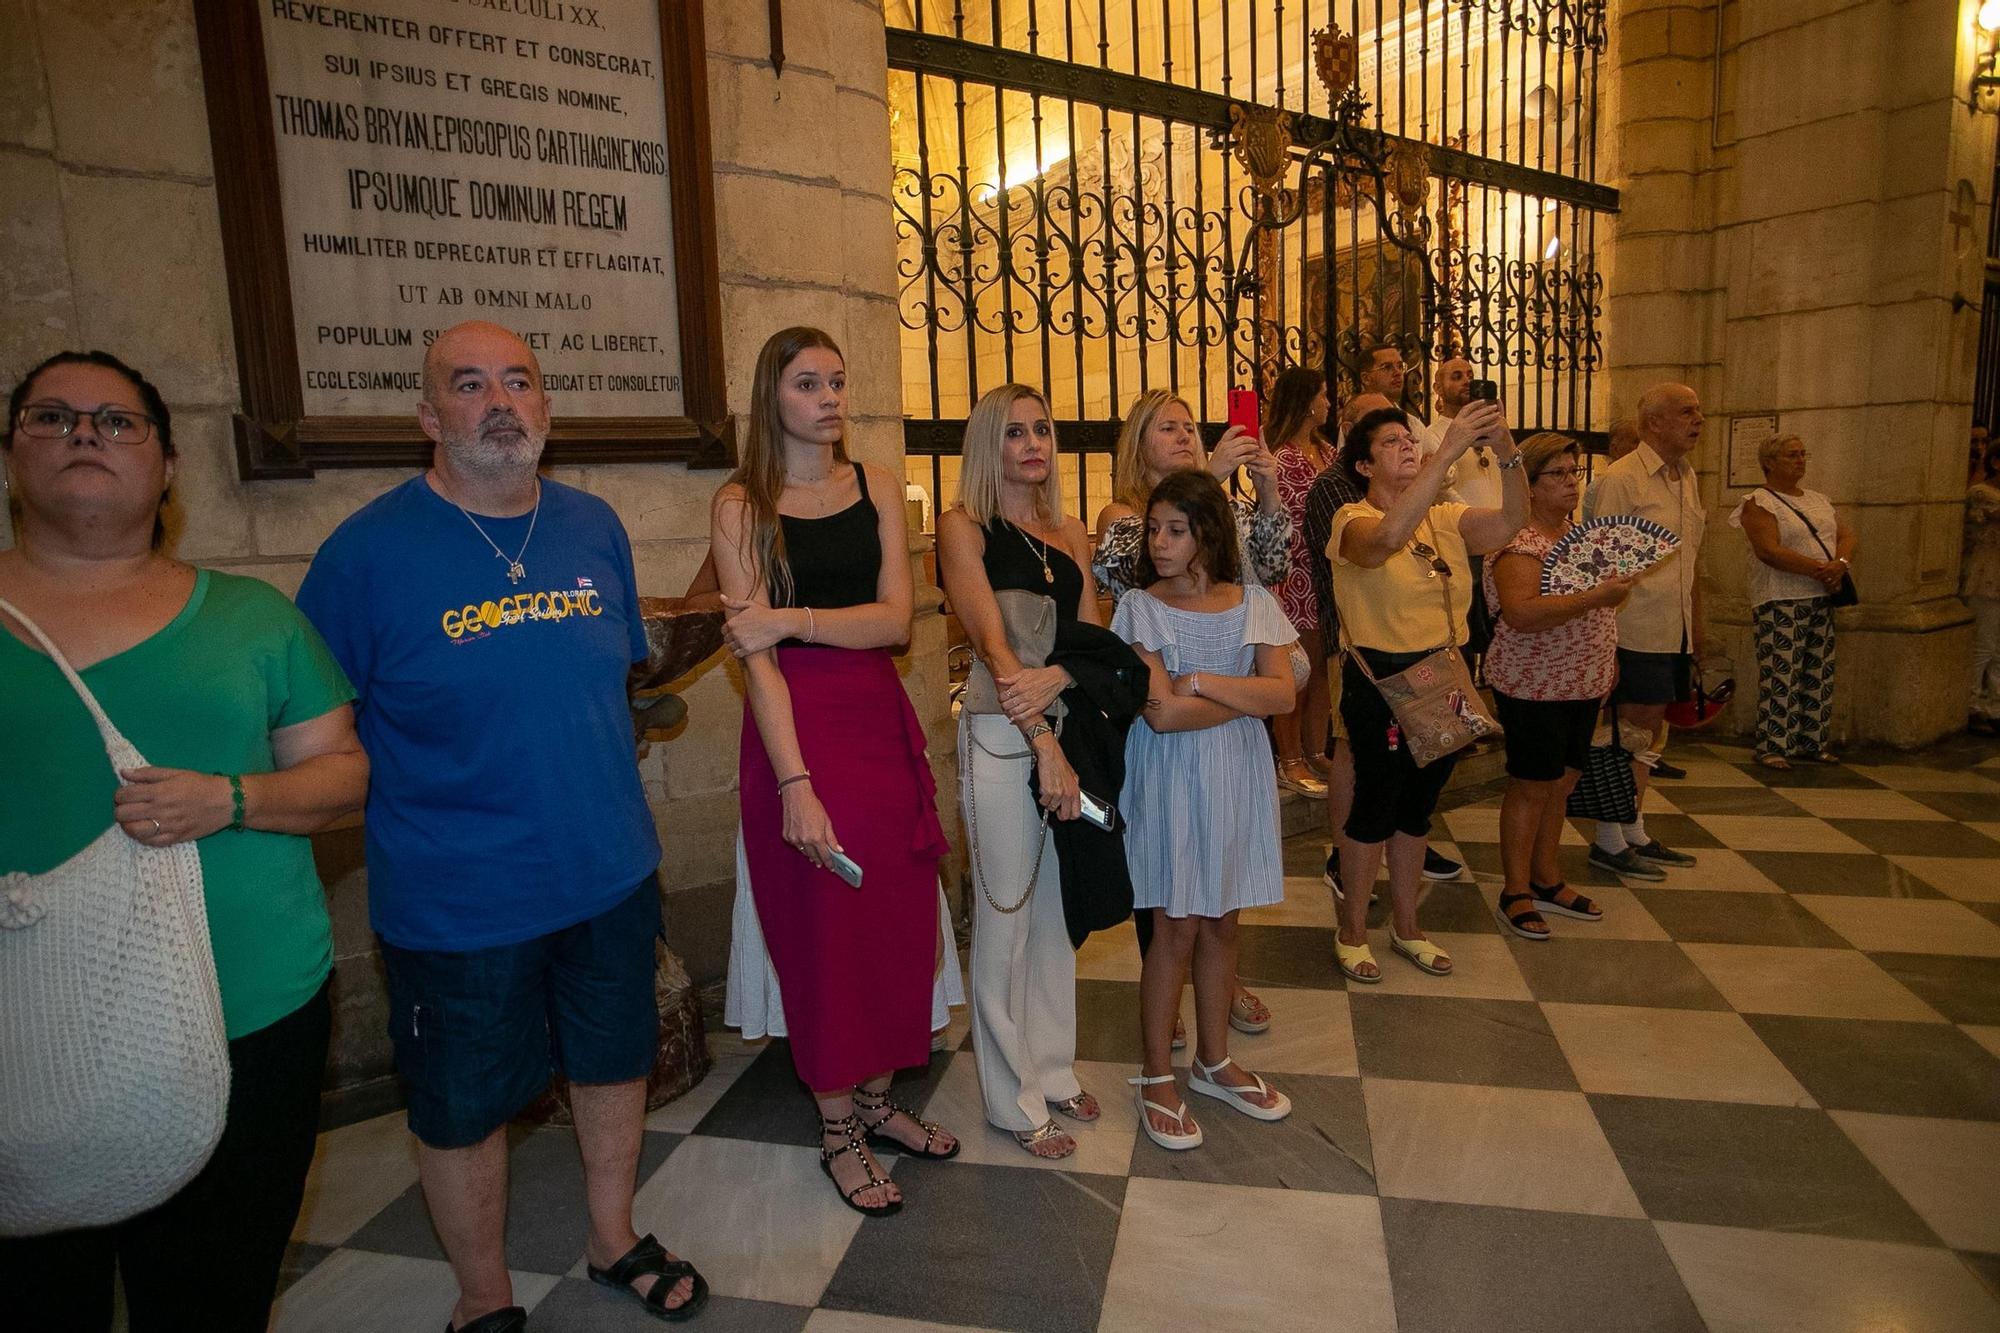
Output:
[[1762, 1094]]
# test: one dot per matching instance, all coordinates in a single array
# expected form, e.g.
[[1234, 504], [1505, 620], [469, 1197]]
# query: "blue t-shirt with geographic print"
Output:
[[504, 799]]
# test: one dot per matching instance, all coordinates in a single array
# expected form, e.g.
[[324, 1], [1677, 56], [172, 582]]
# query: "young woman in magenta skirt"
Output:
[[816, 585]]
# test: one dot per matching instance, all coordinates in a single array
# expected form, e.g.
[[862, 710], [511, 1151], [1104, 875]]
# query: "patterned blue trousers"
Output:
[[1794, 676]]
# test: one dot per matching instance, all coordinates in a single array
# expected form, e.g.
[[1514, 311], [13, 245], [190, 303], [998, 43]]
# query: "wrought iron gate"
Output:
[[1087, 199]]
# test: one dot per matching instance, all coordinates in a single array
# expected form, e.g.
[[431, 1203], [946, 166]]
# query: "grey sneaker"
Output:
[[1626, 864], [1665, 855]]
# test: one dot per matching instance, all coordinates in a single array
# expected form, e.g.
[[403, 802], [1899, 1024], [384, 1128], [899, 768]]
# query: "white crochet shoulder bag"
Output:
[[114, 1063]]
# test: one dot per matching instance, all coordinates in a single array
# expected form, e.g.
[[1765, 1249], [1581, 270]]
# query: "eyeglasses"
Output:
[[1439, 565], [1559, 473], [57, 421]]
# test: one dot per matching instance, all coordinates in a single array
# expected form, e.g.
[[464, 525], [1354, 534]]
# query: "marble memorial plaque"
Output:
[[444, 160]]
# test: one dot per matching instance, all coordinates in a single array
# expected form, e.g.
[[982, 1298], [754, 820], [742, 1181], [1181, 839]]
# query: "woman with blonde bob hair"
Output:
[[1007, 535], [816, 586]]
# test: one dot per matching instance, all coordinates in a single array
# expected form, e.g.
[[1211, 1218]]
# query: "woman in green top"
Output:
[[223, 686]]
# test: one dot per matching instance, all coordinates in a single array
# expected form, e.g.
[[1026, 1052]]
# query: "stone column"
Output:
[[1804, 202]]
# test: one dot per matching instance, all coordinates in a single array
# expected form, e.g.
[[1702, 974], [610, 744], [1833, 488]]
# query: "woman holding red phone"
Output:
[[1299, 407]]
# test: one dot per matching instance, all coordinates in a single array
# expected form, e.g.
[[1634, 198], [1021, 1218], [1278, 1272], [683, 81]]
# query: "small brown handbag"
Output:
[[1437, 707]]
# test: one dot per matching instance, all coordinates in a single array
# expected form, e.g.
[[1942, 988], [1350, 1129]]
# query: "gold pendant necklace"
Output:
[[1042, 554]]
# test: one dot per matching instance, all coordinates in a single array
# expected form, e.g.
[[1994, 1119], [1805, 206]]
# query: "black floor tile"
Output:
[[1457, 1266], [1653, 974], [546, 1215], [1964, 990], [300, 1258], [1918, 837], [1322, 1145], [1895, 1068], [988, 1246], [1986, 1267], [1851, 874], [1970, 805], [1456, 906], [1769, 1168], [1443, 1040], [1107, 1019], [1306, 855], [1736, 918], [1286, 956], [578, 1305], [1679, 832], [1726, 801], [766, 1103]]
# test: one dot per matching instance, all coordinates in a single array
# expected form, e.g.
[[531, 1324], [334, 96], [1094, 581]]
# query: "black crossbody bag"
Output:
[[1845, 594]]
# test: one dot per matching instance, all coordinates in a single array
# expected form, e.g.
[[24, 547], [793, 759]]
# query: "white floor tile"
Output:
[[1319, 1261], [357, 1170]]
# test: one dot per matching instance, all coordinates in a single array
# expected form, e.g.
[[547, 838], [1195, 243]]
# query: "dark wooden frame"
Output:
[[274, 437]]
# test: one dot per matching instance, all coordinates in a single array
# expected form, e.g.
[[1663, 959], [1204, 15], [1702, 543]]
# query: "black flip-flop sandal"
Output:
[[1547, 897], [506, 1319], [1518, 914], [649, 1259]]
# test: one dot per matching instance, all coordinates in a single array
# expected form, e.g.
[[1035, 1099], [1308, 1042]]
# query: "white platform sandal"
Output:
[[1203, 1080], [1188, 1138]]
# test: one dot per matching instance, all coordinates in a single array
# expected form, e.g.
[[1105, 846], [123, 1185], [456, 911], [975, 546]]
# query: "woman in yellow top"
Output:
[[1402, 578]]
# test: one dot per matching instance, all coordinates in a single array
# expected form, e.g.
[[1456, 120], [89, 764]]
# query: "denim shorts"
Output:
[[479, 1034]]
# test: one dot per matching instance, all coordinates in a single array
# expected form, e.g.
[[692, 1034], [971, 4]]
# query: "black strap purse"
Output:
[[1845, 594]]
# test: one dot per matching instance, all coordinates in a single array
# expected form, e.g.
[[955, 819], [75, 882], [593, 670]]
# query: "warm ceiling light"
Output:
[[1989, 16]]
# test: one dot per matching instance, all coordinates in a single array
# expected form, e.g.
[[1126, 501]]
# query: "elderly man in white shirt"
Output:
[[1659, 627]]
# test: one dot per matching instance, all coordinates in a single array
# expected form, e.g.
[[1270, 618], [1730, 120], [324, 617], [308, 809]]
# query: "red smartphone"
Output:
[[1245, 412]]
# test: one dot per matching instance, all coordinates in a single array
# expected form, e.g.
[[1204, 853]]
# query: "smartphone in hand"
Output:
[[1245, 411], [1100, 813], [1482, 390], [843, 866]]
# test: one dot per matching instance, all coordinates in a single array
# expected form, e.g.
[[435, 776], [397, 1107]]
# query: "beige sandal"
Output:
[[1033, 1139]]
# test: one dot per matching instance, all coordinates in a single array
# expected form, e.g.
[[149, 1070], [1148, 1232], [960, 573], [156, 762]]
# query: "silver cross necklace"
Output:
[[515, 570]]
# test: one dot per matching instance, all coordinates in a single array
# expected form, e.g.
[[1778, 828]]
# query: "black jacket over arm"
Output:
[[1110, 690]]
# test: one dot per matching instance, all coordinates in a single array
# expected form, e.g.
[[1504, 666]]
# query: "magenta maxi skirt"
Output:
[[854, 965]]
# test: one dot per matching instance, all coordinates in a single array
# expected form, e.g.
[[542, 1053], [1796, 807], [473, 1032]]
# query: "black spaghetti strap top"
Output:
[[1013, 559], [836, 560]]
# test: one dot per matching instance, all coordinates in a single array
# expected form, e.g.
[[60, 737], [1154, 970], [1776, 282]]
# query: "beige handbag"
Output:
[[114, 1062], [1437, 707], [1030, 622]]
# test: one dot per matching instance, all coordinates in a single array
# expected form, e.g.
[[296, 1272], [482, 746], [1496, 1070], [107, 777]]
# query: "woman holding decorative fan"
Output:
[[1402, 579], [1799, 576], [1553, 658]]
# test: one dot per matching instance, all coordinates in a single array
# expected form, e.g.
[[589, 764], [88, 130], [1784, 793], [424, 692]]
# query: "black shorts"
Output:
[[1391, 794], [1653, 678], [1545, 737], [478, 1034]]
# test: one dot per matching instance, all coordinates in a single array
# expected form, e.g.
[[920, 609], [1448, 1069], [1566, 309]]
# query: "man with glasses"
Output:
[[1659, 627]]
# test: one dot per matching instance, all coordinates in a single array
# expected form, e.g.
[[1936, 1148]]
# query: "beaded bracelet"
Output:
[[235, 800]]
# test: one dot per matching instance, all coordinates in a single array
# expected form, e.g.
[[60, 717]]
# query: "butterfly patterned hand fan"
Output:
[[1600, 547]]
